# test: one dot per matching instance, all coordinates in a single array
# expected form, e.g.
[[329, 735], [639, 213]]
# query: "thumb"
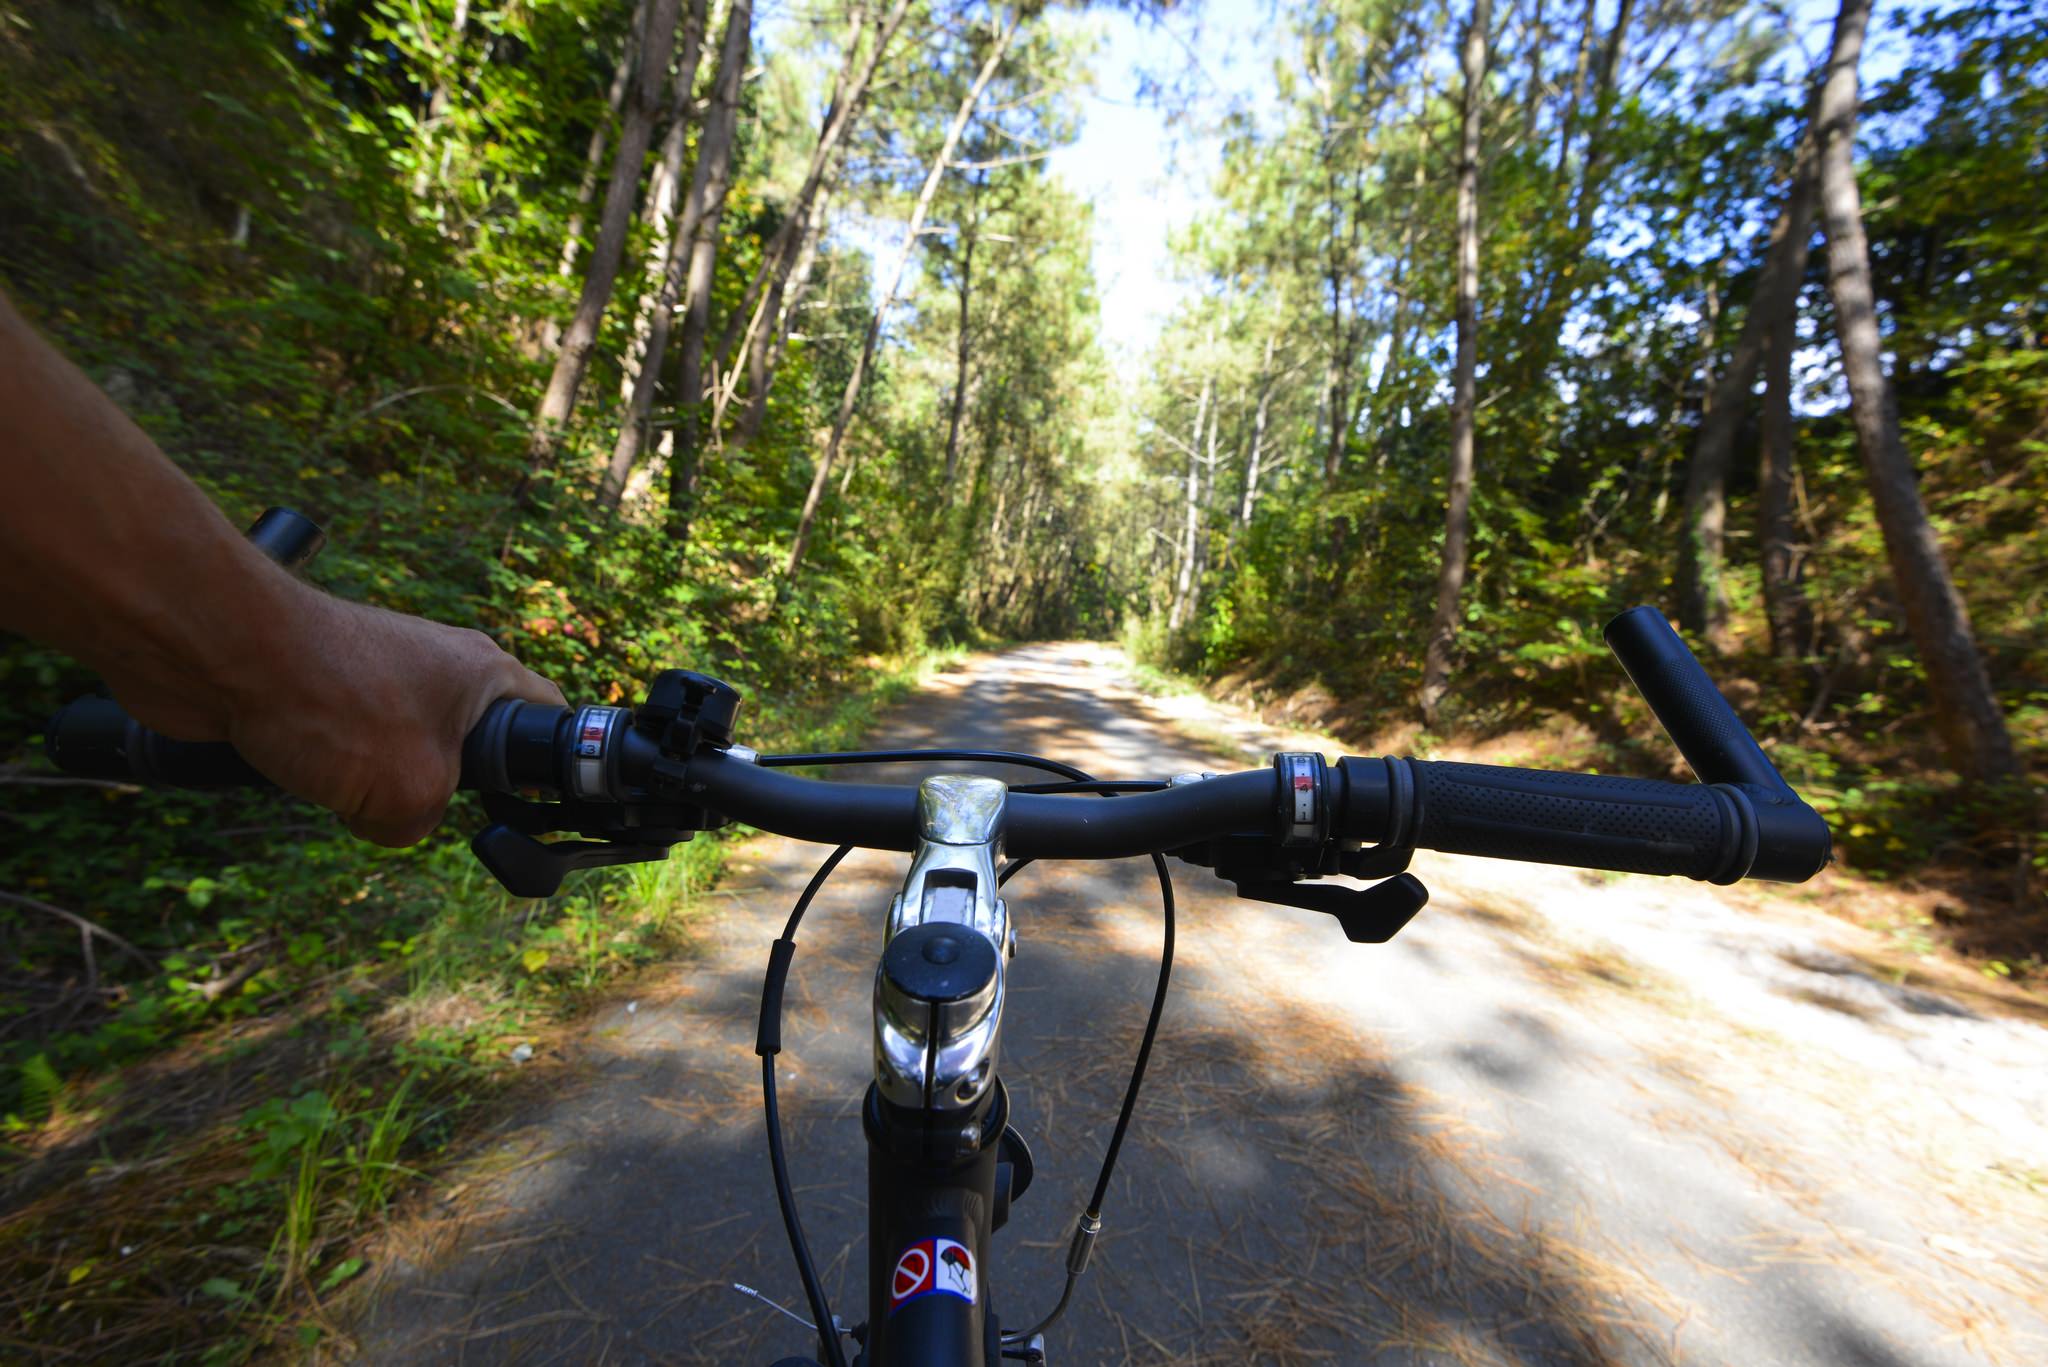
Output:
[[528, 686]]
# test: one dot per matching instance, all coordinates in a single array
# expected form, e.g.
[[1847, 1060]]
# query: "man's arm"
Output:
[[110, 554]]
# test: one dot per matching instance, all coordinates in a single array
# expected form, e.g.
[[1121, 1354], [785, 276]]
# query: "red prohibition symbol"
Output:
[[913, 1273]]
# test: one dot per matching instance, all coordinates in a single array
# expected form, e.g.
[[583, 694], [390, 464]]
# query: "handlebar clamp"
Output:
[[686, 711]]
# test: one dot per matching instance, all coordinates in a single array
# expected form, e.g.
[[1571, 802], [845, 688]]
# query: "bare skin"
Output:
[[110, 554]]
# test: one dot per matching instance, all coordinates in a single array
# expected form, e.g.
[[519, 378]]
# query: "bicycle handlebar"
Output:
[[1741, 821], [1717, 833]]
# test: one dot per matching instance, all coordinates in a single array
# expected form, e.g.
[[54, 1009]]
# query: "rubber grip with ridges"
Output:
[[1589, 821], [96, 738]]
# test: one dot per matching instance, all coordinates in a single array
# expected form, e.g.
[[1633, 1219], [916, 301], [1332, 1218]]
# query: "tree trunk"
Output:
[[1334, 407], [579, 339], [1786, 608], [851, 396], [785, 300], [690, 259], [658, 210], [686, 465], [1701, 606], [796, 236], [1964, 706], [1184, 578], [1248, 500], [593, 162], [1443, 631], [1204, 498], [962, 357]]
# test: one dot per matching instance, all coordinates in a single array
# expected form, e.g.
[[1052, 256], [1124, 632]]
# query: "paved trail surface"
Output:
[[1562, 1119]]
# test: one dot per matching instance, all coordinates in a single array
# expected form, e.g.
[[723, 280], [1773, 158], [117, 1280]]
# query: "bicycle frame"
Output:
[[943, 1163]]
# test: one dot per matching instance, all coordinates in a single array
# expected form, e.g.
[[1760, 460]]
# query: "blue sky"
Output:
[[1146, 175]]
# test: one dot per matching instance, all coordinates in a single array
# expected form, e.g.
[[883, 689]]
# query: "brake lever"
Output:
[[1266, 869], [635, 833], [528, 868], [1369, 916]]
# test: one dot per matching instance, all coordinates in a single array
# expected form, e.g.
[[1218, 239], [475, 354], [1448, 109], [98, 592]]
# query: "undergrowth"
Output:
[[194, 1157]]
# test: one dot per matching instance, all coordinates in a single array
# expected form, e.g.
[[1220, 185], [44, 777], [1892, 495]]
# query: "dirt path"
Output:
[[1561, 1119]]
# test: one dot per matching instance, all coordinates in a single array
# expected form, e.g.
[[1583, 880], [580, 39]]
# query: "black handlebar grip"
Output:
[[1592, 821], [516, 745], [1688, 706], [96, 738]]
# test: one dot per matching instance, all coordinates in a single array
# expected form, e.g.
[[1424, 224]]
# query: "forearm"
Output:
[[109, 553]]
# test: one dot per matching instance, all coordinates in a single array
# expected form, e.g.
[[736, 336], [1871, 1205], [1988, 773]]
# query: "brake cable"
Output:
[[1089, 1226], [768, 1043]]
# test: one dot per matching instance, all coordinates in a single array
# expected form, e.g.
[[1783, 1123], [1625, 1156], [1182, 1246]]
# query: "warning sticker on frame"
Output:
[[932, 1267]]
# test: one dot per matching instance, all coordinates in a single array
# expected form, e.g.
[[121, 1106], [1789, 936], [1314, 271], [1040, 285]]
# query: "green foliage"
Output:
[[314, 256], [1615, 259]]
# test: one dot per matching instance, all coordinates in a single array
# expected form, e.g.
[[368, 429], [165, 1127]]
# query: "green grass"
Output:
[[196, 1198]]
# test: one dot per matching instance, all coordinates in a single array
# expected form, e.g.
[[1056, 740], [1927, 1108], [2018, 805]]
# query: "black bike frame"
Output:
[[925, 1205]]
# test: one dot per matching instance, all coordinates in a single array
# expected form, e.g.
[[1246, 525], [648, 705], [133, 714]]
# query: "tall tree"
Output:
[[1702, 606], [850, 398], [1782, 556], [1442, 647], [690, 258], [753, 328], [1191, 508], [593, 161], [1964, 706], [1248, 492], [658, 207], [969, 235], [579, 339]]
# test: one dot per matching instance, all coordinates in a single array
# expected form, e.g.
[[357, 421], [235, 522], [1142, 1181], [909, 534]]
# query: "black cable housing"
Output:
[[768, 1045], [1123, 1119], [1130, 1105]]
